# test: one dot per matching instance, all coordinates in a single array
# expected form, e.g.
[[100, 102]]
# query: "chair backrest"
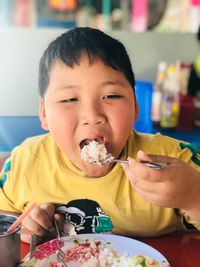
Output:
[[144, 92], [14, 129]]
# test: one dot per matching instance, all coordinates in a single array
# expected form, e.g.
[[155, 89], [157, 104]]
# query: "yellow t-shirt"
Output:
[[37, 171]]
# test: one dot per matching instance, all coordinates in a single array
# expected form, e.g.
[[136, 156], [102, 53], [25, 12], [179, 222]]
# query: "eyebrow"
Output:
[[66, 87], [102, 84], [115, 82]]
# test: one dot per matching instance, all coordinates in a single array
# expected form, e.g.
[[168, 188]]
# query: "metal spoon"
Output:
[[153, 165]]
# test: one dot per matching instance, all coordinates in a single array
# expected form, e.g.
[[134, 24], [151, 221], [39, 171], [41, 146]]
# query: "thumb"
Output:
[[49, 209], [60, 220], [142, 156], [58, 217]]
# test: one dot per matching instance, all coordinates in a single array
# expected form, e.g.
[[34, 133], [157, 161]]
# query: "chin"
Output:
[[96, 171]]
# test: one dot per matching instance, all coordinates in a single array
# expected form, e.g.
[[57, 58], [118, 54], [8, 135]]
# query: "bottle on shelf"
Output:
[[186, 114], [157, 94], [197, 110], [170, 103]]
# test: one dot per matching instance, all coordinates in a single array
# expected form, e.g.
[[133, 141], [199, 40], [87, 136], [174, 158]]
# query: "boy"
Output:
[[87, 93]]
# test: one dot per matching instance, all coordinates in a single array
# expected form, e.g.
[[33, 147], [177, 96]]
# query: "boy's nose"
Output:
[[92, 115]]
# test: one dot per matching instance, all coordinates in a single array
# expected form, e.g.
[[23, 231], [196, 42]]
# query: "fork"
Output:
[[153, 165], [33, 244], [61, 257]]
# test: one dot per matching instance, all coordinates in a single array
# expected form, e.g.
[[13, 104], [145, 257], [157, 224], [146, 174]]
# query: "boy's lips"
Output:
[[86, 141]]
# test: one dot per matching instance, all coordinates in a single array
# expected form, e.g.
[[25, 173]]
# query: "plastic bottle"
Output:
[[187, 113], [157, 94], [197, 110], [170, 104]]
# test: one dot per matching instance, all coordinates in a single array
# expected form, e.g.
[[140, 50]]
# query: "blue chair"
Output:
[[144, 92], [14, 129]]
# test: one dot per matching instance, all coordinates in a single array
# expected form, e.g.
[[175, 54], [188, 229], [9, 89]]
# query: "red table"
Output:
[[181, 248]]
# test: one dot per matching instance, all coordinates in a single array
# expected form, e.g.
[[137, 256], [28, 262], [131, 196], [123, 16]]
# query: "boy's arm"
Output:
[[8, 188]]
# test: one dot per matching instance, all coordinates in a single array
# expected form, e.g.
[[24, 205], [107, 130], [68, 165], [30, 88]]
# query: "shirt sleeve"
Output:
[[8, 188], [189, 220]]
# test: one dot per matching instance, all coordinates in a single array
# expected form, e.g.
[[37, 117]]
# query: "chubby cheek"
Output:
[[62, 128], [121, 128], [123, 122]]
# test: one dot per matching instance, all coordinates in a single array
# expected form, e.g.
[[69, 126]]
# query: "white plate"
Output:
[[46, 252]]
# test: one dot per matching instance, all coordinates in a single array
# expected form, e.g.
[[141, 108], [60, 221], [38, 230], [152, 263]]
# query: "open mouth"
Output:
[[94, 151], [86, 141]]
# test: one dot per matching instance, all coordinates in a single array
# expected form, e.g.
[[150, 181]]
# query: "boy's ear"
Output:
[[136, 110], [42, 115]]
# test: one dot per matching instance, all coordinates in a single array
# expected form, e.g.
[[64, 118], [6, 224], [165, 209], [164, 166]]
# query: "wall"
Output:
[[21, 49]]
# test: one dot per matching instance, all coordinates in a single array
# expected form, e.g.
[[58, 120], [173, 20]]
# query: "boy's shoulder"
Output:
[[34, 145], [157, 144], [31, 152], [164, 145], [155, 138]]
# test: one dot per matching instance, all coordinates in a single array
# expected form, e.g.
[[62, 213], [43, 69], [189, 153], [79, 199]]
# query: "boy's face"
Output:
[[89, 101]]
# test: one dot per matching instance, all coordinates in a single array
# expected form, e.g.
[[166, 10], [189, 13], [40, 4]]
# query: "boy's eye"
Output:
[[112, 96], [69, 100]]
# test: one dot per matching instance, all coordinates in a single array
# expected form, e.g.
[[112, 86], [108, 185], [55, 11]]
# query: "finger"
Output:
[[136, 170], [60, 220], [145, 180], [44, 216], [142, 156], [145, 185], [40, 218], [25, 230], [59, 217], [152, 198], [32, 226], [49, 208], [156, 194], [25, 238]]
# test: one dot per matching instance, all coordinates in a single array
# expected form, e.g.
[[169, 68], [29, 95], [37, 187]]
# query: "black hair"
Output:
[[71, 45]]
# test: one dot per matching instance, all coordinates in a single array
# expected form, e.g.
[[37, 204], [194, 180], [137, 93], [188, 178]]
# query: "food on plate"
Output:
[[98, 254], [95, 251], [96, 153]]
